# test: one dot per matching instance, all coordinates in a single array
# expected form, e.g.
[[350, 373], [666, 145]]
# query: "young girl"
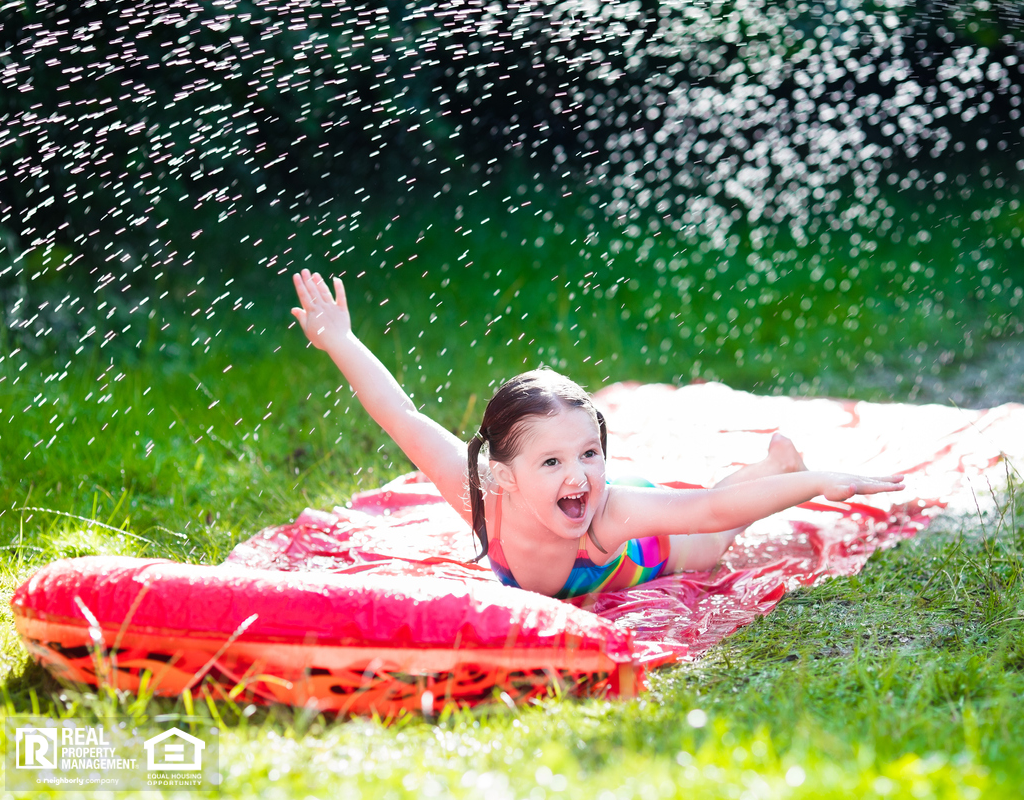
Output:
[[541, 508]]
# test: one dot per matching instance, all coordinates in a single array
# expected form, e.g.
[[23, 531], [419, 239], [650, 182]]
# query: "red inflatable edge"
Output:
[[353, 643]]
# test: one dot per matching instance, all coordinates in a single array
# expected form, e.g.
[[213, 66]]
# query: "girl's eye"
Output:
[[590, 454], [551, 462]]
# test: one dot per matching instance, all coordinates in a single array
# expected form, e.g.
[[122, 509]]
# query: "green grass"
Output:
[[903, 681], [191, 431]]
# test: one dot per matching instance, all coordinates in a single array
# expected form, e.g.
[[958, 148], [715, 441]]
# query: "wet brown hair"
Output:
[[538, 393]]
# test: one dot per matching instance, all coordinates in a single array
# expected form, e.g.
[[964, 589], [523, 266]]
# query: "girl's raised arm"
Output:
[[326, 321], [633, 512]]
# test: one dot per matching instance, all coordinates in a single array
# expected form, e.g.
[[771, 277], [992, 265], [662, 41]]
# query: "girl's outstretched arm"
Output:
[[632, 512], [326, 321]]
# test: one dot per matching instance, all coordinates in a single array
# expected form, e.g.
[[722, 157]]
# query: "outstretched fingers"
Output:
[[312, 289], [323, 315], [893, 483], [323, 291], [848, 485], [302, 289], [888, 483], [339, 293]]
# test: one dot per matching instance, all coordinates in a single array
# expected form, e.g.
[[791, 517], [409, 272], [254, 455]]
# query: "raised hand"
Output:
[[327, 324], [324, 318]]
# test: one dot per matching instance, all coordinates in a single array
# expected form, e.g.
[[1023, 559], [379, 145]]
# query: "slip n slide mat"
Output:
[[371, 608]]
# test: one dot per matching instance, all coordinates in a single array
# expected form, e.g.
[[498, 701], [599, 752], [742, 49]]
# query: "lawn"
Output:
[[904, 680], [500, 192]]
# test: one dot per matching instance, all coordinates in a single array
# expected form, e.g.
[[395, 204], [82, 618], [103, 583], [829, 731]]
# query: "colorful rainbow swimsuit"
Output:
[[642, 560]]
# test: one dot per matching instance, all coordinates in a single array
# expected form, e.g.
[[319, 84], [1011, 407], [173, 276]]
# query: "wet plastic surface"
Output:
[[698, 434], [372, 608], [386, 638], [365, 610]]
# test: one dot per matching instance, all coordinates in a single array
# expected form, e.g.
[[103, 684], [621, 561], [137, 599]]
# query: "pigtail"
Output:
[[604, 436], [476, 494]]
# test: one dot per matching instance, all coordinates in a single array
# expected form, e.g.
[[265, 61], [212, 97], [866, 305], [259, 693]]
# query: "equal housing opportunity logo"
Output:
[[109, 755]]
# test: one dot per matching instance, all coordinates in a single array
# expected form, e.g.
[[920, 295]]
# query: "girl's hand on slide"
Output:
[[840, 487], [324, 318]]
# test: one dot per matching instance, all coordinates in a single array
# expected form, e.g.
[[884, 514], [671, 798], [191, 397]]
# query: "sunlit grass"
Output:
[[902, 681], [563, 286], [175, 414]]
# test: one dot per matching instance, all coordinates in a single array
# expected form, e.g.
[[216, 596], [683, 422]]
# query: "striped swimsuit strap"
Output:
[[495, 552]]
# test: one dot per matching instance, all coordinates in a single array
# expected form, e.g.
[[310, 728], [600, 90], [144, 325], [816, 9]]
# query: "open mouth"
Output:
[[574, 506]]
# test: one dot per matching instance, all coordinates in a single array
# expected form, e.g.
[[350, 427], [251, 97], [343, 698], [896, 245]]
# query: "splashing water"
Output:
[[691, 188]]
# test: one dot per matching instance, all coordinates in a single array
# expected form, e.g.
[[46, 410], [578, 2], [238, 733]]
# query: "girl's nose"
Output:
[[576, 478]]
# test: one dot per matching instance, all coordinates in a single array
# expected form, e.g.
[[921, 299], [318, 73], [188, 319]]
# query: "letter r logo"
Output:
[[36, 748]]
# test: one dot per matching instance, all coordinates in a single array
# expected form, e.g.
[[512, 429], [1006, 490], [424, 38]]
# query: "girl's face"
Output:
[[559, 474]]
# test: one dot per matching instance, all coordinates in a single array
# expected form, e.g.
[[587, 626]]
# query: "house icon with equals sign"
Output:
[[174, 750]]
